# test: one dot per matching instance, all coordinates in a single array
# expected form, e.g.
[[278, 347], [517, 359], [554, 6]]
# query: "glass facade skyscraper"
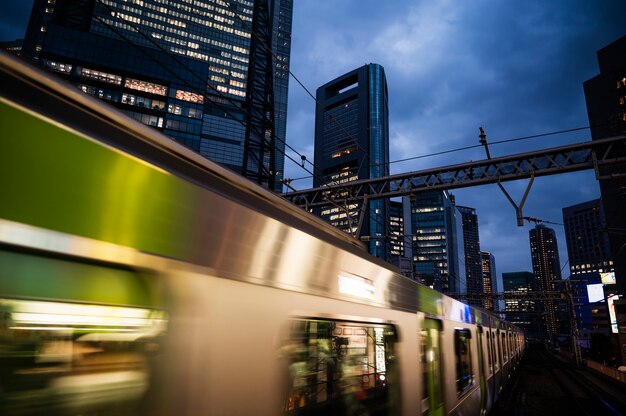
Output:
[[547, 269], [521, 312], [471, 247], [488, 263], [351, 143], [437, 250], [180, 66]]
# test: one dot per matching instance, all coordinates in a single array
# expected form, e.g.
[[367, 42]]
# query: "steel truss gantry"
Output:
[[564, 159]]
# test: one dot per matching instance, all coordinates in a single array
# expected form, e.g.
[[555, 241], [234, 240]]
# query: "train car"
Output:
[[137, 277]]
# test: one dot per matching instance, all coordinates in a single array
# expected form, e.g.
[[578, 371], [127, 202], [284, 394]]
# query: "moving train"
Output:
[[137, 277]]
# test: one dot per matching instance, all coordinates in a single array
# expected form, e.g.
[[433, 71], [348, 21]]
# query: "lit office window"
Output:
[[135, 84], [189, 96], [100, 76]]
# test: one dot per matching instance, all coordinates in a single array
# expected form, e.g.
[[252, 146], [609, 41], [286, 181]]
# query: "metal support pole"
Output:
[[574, 326]]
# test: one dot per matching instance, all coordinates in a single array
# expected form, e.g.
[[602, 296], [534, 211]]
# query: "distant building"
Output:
[[14, 46], [605, 95], [351, 143], [212, 75], [584, 309], [588, 247], [471, 248], [589, 257], [396, 228], [547, 269], [521, 312], [435, 224], [488, 263]]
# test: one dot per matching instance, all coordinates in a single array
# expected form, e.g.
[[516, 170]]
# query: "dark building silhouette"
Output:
[[471, 248], [589, 257], [351, 143], [605, 95], [488, 267], [547, 270], [521, 312], [212, 75], [588, 247]]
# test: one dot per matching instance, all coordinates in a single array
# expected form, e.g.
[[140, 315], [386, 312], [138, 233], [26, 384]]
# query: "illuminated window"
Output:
[[101, 76], [135, 84], [342, 362], [175, 109], [189, 96]]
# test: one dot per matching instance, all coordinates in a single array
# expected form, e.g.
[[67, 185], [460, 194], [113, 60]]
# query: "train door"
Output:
[[481, 371], [430, 351]]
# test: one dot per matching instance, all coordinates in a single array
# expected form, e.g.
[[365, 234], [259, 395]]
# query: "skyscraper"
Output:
[[202, 72], [588, 247], [605, 95], [437, 252], [547, 270], [396, 228], [471, 247], [521, 312], [488, 263], [352, 142]]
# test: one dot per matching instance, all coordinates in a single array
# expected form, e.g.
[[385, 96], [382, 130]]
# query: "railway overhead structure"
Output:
[[564, 159]]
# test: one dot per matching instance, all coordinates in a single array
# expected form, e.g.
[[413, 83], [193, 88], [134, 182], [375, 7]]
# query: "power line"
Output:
[[443, 152]]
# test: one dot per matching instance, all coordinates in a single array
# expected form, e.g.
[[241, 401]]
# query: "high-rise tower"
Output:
[[352, 142], [210, 74], [471, 248], [488, 263], [437, 251], [521, 312], [605, 95], [547, 270], [588, 247]]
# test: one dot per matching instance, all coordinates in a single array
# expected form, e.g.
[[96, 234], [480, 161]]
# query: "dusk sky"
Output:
[[515, 68]]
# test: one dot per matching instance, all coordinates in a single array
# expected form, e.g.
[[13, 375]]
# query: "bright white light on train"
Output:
[[382, 377], [356, 286], [431, 356], [58, 314]]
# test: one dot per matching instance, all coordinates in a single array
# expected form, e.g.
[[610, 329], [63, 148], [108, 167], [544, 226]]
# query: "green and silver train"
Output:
[[137, 277]]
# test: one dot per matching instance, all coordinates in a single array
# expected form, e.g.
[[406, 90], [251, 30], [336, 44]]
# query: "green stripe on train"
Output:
[[56, 179], [35, 277]]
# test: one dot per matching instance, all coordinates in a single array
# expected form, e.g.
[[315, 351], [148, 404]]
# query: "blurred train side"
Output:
[[99, 210]]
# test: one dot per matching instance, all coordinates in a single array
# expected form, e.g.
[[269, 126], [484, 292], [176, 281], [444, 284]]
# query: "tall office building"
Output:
[[605, 95], [435, 226], [488, 266], [471, 247], [210, 74], [521, 312], [547, 270], [396, 228], [588, 247], [351, 143]]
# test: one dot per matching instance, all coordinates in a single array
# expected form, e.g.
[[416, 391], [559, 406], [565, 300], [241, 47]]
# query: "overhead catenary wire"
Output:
[[459, 149]]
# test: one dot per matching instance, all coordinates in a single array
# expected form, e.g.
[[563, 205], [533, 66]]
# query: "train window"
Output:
[[62, 351], [341, 368], [497, 350], [503, 345], [489, 352], [462, 351]]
